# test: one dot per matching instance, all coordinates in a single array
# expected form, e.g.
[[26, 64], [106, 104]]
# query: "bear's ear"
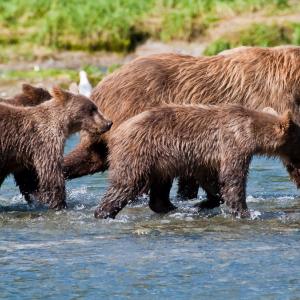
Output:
[[60, 95], [35, 93], [270, 110], [29, 90], [286, 121]]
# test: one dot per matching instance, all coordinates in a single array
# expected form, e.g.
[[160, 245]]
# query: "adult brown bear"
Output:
[[253, 77]]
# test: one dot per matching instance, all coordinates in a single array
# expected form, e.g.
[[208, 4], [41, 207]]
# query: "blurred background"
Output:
[[48, 41]]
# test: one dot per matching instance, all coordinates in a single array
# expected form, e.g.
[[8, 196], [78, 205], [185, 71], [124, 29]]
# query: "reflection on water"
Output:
[[181, 255]]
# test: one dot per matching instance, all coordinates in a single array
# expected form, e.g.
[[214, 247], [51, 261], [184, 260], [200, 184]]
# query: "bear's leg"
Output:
[[187, 188], [233, 178], [2, 178], [115, 198], [294, 173], [53, 195], [27, 182], [85, 160], [159, 195], [51, 184], [213, 198]]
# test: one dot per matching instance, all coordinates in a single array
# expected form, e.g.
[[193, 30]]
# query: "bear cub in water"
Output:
[[33, 138], [30, 96], [214, 144]]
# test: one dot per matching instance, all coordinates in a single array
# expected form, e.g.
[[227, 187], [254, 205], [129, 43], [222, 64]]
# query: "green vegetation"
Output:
[[117, 25], [39, 75], [62, 76], [257, 35]]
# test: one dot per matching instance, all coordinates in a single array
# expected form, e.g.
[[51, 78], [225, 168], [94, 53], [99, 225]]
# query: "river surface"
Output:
[[142, 255]]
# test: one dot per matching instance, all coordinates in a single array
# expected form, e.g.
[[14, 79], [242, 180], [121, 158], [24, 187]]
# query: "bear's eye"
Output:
[[92, 110]]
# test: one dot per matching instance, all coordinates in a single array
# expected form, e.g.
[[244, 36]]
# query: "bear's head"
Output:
[[81, 112], [32, 96]]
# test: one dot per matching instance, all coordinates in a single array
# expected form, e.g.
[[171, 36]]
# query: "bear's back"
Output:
[[253, 77], [207, 125]]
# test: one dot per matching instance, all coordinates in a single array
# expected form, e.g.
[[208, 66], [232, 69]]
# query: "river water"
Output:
[[141, 255]]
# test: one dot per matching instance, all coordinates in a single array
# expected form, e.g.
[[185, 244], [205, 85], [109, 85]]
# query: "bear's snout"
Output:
[[107, 126]]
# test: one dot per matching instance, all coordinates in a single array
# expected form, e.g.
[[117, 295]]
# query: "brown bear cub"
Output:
[[30, 96], [212, 142], [33, 138]]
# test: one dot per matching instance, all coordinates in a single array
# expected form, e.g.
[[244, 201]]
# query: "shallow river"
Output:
[[141, 255]]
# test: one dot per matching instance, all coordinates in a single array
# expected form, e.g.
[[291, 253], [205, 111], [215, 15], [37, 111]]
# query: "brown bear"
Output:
[[254, 77], [150, 149], [30, 96], [33, 138]]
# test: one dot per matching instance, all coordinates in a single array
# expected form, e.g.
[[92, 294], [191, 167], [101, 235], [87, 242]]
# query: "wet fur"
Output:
[[30, 96], [254, 77], [149, 150], [32, 141]]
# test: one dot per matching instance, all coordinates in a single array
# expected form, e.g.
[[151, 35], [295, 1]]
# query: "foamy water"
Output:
[[180, 255]]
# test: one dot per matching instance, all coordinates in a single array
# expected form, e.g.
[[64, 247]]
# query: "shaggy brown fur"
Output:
[[150, 149], [33, 139], [253, 77], [30, 96]]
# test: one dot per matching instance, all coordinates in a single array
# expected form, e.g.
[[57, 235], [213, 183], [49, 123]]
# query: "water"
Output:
[[141, 255]]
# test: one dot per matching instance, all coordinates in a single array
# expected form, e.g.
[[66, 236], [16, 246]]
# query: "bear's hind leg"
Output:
[[2, 178], [159, 195], [211, 202], [27, 182], [187, 188], [211, 187]]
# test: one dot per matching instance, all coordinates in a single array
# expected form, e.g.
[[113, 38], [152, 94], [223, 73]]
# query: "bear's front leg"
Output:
[[159, 195], [233, 179], [85, 159], [115, 198], [51, 184], [54, 195]]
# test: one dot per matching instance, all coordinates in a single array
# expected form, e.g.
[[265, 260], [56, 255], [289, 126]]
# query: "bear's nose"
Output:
[[108, 125]]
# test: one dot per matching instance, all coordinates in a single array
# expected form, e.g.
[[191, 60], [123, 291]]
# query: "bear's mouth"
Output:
[[107, 127], [98, 131]]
